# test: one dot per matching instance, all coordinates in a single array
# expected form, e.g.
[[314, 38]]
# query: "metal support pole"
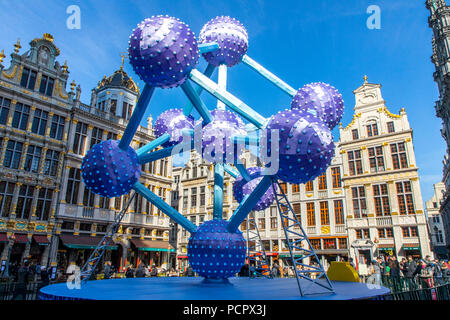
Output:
[[231, 101], [164, 207], [208, 47], [153, 144], [248, 203], [196, 101], [222, 83], [230, 170], [268, 75], [218, 191], [136, 117]]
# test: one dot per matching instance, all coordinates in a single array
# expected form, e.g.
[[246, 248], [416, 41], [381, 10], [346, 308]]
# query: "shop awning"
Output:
[[41, 240], [3, 238], [84, 242], [386, 246], [411, 246], [20, 238], [152, 245]]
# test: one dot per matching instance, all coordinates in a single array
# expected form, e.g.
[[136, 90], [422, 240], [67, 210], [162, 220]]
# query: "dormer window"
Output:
[[372, 129], [46, 86], [28, 78]]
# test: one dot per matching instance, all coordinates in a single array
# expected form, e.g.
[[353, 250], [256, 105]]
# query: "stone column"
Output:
[[65, 177], [12, 107], [12, 215], [49, 123], [66, 130], [71, 134], [24, 155], [3, 149], [33, 203], [30, 121]]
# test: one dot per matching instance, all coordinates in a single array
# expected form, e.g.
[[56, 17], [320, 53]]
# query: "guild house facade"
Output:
[[47, 214]]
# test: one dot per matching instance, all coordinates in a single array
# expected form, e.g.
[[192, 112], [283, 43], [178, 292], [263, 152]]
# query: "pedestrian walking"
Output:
[[107, 270], [130, 272], [22, 280]]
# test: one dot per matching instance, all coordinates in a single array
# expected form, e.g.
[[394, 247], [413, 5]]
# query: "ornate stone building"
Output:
[[380, 176], [46, 212], [435, 225], [439, 22]]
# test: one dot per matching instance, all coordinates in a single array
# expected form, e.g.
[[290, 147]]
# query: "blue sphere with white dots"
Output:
[[110, 171], [216, 253]]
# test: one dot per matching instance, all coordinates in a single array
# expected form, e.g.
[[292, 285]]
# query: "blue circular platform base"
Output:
[[186, 288]]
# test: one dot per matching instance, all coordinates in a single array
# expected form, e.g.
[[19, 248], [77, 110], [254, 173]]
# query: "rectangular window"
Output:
[[138, 203], [295, 188], [359, 202], [24, 202], [111, 136], [21, 116], [39, 122], [28, 79], [185, 198], [51, 163], [414, 232], [79, 141], [329, 243], [13, 154], [193, 197], [399, 159], [355, 134], [5, 105], [262, 223], [322, 181], [273, 223], [57, 127], [43, 204], [104, 203], [405, 198], [390, 127], [202, 196], [381, 198], [113, 107], [315, 243], [372, 130], [96, 136], [297, 211], [324, 214], [376, 159], [362, 234], [46, 86], [32, 159], [6, 196], [283, 186], [338, 212], [342, 243], [309, 186], [336, 177], [88, 198], [355, 162], [73, 186], [310, 214]]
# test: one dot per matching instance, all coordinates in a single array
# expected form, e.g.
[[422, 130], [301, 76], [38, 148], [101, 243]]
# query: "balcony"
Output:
[[311, 230], [322, 194], [384, 221], [340, 228]]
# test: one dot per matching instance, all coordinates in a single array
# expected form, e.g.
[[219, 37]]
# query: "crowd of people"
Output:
[[410, 271], [23, 274]]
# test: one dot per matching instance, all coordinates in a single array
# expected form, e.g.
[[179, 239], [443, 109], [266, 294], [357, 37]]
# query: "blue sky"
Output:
[[300, 41]]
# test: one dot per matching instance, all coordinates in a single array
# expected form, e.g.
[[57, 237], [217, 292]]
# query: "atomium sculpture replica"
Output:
[[164, 52]]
